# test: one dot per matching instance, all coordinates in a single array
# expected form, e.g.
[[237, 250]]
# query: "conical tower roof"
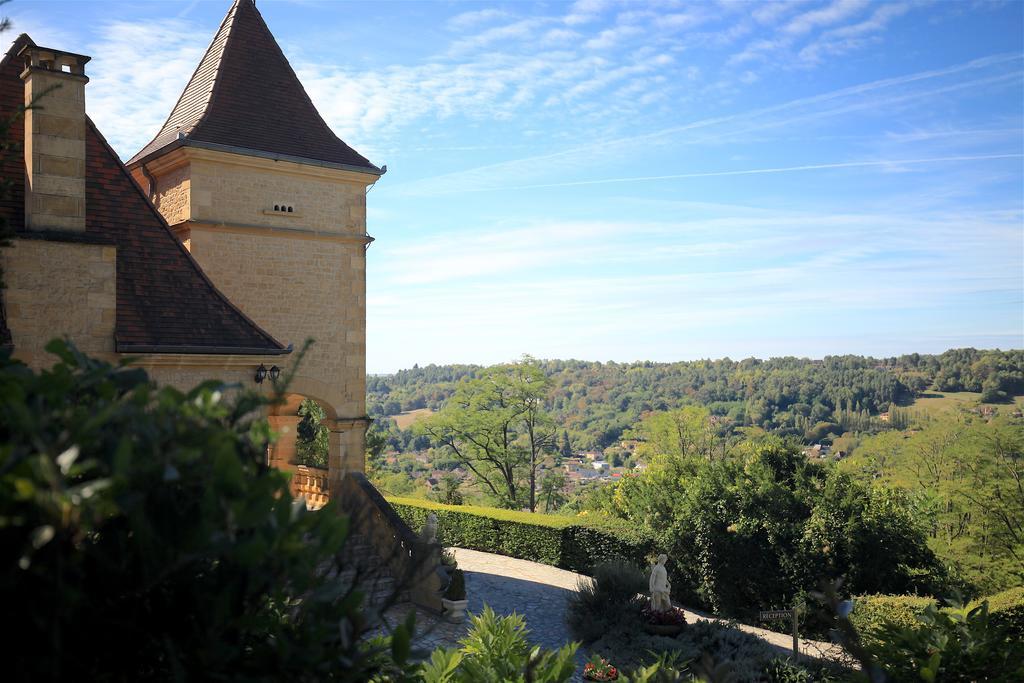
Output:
[[244, 97]]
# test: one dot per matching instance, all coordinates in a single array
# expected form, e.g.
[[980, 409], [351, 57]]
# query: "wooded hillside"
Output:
[[596, 402]]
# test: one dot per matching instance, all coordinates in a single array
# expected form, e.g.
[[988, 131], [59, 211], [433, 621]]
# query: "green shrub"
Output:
[[456, 589], [142, 537], [785, 670], [872, 612], [1006, 611], [497, 649], [612, 600], [565, 542], [951, 644], [735, 655]]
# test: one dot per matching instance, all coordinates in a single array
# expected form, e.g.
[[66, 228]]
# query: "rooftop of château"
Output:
[[244, 97]]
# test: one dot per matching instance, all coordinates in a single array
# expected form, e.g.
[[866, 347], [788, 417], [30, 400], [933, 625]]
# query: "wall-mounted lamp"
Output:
[[262, 372]]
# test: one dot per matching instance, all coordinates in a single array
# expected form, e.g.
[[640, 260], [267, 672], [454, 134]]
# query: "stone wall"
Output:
[[298, 274], [54, 149], [321, 201], [56, 289], [297, 289], [171, 195]]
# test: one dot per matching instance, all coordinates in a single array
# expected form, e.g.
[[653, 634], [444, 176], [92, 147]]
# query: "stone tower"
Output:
[[272, 205]]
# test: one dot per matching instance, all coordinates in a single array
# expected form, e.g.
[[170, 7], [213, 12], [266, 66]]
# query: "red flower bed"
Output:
[[599, 669], [672, 617]]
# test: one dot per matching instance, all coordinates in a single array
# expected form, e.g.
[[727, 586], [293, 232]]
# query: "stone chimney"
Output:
[[54, 139]]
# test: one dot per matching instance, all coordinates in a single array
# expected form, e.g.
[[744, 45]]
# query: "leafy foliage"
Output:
[[142, 536], [704, 651], [496, 426], [611, 598], [954, 644], [754, 529], [496, 650], [1006, 611], [456, 589], [872, 612], [311, 445], [566, 542], [966, 477]]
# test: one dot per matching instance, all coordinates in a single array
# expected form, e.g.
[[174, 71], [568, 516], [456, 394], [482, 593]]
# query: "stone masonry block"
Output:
[[55, 205], [58, 147], [60, 166], [72, 127], [60, 186]]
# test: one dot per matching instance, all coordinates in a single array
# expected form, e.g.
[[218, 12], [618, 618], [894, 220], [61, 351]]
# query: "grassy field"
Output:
[[950, 403], [404, 420]]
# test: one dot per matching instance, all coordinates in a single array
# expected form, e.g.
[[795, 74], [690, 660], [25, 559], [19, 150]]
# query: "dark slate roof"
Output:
[[165, 303], [245, 97]]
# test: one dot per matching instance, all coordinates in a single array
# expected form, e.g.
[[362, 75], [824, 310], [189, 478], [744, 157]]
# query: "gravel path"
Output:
[[538, 592]]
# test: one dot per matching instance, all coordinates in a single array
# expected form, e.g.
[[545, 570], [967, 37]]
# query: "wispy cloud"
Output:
[[854, 36], [468, 20], [826, 16], [870, 96], [138, 71], [585, 11], [681, 283]]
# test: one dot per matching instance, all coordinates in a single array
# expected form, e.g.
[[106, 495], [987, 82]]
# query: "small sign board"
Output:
[[777, 614]]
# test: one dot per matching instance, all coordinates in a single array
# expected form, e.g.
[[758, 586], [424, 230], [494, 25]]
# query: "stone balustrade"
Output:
[[415, 565], [312, 484]]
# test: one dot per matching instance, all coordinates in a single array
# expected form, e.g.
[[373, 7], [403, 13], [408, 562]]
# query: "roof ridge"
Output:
[[246, 97], [181, 247], [19, 42], [227, 22], [284, 58]]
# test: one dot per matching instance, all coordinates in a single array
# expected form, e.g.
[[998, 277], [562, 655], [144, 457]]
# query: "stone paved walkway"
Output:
[[538, 592]]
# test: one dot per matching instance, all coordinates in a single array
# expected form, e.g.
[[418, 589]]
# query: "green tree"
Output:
[[311, 443], [760, 525], [552, 490], [448, 491], [376, 442], [496, 426], [683, 432], [566, 447]]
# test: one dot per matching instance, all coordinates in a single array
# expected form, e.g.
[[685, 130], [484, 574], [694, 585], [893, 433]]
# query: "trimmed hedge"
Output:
[[1006, 610], [572, 543], [870, 612]]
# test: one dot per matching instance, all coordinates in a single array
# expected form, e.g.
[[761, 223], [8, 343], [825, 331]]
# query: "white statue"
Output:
[[661, 589], [429, 533]]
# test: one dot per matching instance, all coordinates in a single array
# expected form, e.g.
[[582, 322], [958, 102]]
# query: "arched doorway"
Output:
[[313, 444]]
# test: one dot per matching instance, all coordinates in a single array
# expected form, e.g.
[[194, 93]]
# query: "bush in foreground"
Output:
[[143, 537], [496, 650], [1006, 611], [953, 644]]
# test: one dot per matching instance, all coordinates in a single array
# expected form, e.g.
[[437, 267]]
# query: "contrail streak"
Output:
[[860, 89], [753, 171]]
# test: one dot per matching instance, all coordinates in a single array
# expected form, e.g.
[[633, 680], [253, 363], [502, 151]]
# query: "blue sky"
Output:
[[633, 181]]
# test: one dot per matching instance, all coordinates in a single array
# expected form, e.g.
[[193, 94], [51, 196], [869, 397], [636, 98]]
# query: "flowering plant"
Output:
[[668, 617], [599, 669]]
